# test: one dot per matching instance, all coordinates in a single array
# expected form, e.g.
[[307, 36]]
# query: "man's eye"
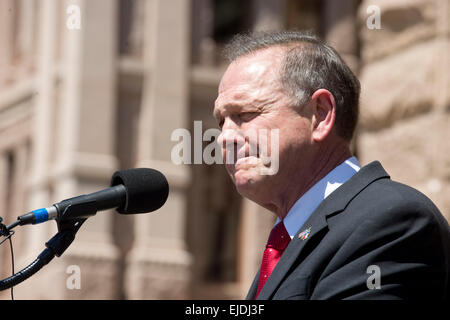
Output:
[[247, 116]]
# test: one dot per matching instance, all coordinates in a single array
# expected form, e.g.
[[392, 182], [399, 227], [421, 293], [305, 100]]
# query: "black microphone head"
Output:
[[147, 189]]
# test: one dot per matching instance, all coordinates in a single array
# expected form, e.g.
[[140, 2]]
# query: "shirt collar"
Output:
[[305, 206]]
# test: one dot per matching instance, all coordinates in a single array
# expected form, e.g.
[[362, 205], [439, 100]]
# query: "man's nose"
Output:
[[230, 135]]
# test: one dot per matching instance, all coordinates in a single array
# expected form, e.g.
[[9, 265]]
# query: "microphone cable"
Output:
[[6, 231]]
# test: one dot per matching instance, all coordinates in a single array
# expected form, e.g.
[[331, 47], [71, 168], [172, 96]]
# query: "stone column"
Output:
[[38, 182], [12, 195], [18, 183], [84, 146], [6, 37], [158, 264], [25, 36]]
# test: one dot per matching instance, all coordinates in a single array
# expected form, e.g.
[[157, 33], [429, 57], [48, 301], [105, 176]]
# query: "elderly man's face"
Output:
[[250, 99]]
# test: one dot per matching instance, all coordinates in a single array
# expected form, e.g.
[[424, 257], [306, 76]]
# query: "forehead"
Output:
[[255, 68], [250, 76]]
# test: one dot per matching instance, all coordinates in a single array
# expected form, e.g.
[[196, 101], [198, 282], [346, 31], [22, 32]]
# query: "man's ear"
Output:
[[324, 114]]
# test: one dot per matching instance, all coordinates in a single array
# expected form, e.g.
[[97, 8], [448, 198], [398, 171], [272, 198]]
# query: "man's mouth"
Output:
[[245, 161], [243, 157], [246, 152]]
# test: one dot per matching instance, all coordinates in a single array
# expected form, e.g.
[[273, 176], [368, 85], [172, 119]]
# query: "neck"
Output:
[[326, 160]]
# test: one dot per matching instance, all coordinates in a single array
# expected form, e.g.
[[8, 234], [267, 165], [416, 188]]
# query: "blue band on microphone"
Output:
[[40, 215]]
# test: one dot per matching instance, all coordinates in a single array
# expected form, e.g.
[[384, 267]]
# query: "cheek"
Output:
[[294, 139]]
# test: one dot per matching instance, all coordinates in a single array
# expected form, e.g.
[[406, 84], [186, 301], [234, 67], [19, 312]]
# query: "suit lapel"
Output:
[[334, 203]]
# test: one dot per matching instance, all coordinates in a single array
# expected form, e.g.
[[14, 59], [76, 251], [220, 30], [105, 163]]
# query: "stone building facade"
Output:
[[79, 102]]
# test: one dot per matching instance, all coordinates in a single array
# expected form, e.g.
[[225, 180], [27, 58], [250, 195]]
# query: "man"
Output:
[[343, 232]]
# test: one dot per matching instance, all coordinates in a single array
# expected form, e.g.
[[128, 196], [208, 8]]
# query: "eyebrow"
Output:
[[227, 107]]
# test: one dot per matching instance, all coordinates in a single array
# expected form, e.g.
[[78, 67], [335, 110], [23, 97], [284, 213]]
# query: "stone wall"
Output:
[[405, 98]]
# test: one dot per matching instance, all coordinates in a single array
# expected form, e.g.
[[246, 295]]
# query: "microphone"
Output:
[[132, 191]]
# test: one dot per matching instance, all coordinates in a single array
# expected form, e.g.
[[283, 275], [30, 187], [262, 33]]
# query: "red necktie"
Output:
[[278, 240]]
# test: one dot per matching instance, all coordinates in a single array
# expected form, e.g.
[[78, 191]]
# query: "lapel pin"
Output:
[[304, 234]]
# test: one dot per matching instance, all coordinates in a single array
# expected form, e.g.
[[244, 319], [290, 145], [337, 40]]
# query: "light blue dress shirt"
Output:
[[305, 206]]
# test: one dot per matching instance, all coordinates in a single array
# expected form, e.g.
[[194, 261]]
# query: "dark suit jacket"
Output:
[[369, 220]]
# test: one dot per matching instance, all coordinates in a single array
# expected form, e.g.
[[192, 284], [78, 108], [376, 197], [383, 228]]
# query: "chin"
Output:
[[247, 185]]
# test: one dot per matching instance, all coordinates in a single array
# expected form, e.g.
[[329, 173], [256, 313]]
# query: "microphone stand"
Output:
[[69, 222]]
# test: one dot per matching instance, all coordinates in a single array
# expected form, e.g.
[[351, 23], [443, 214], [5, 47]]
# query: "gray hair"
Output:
[[308, 65]]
